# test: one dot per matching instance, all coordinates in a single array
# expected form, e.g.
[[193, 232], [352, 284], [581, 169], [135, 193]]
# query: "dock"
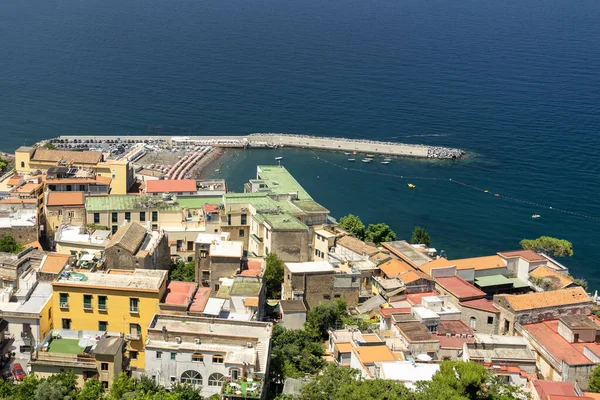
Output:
[[281, 140]]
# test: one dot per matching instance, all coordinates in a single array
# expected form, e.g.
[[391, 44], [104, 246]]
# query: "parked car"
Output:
[[18, 371]]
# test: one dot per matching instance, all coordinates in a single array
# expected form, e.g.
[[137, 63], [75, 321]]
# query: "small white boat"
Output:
[[387, 159], [370, 155], [536, 216], [346, 153], [278, 158], [367, 160], [385, 162], [351, 159]]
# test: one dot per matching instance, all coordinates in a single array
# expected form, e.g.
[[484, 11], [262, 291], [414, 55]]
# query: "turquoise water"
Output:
[[515, 83]]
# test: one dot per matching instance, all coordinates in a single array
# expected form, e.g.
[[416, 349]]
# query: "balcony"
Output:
[[242, 389], [133, 336], [64, 304]]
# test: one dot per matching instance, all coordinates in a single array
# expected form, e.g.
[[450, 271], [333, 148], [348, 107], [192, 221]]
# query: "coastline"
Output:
[[202, 169]]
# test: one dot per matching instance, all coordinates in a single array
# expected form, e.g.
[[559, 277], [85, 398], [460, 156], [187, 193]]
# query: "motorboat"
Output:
[[351, 159], [385, 162], [367, 160], [536, 216], [278, 158], [370, 155], [347, 153]]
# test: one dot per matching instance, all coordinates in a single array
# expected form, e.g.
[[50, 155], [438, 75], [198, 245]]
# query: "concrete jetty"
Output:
[[280, 140]]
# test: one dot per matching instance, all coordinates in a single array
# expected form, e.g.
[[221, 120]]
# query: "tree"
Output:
[[343, 383], [121, 386], [420, 236], [92, 390], [352, 224], [49, 146], [378, 233], [331, 314], [186, 391], [551, 246], [8, 244], [183, 272], [274, 276], [594, 382]]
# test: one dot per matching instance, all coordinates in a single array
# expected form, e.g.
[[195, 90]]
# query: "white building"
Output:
[[205, 351], [407, 372]]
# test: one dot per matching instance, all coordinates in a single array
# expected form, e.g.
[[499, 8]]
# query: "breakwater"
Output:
[[272, 140]]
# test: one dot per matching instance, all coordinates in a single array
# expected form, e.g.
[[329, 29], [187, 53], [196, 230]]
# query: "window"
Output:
[[217, 286], [66, 323], [473, 322], [196, 357], [158, 355], [216, 379], [135, 331], [133, 355], [191, 377], [173, 380], [133, 305], [217, 359], [64, 300], [154, 216], [87, 301], [102, 326], [71, 214], [22, 164], [101, 303], [114, 229], [82, 188], [104, 366], [241, 233], [105, 385], [142, 216], [244, 219], [96, 218], [154, 227], [234, 373], [50, 313], [203, 253], [266, 233], [115, 217], [190, 245], [229, 219], [69, 188], [128, 216], [173, 356], [190, 258], [490, 320]]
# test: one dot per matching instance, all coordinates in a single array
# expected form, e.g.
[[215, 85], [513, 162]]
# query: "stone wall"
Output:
[[481, 320], [223, 267], [291, 246], [22, 234]]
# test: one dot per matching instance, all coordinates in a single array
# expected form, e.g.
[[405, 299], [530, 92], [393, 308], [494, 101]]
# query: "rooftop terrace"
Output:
[[129, 202], [280, 181], [137, 280]]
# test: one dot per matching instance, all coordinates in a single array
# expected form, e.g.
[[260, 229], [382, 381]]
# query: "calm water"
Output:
[[516, 83]]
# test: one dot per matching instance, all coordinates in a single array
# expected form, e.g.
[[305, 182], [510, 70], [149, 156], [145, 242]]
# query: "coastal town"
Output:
[[122, 262]]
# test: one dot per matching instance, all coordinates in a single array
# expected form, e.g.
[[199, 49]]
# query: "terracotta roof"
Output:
[[481, 304], [546, 334], [179, 293], [371, 354], [344, 347], [14, 200], [251, 301], [438, 263], [395, 268], [35, 245], [14, 180], [387, 312], [554, 298], [255, 268], [591, 395], [104, 179], [415, 331], [356, 245], [211, 208], [65, 199], [27, 188], [80, 157], [528, 255], [460, 288], [100, 179], [128, 237], [54, 263], [200, 299], [171, 186], [479, 263], [453, 327], [454, 342], [415, 298], [556, 278], [547, 388]]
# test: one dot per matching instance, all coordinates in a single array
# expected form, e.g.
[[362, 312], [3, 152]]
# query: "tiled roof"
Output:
[[251, 301], [528, 255], [408, 253], [554, 277], [200, 299], [13, 200], [415, 298], [480, 304], [356, 245], [54, 263], [438, 263], [28, 188], [415, 331], [550, 388], [535, 300], [80, 157], [211, 208], [372, 354], [65, 199], [179, 293], [171, 186], [13, 180], [128, 237], [388, 311], [344, 347], [454, 342], [460, 288], [479, 263], [453, 327], [378, 258]]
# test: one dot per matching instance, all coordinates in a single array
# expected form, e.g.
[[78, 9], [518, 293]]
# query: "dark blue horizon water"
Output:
[[517, 84]]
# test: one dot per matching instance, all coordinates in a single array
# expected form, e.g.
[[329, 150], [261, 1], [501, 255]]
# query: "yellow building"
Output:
[[115, 301], [29, 160]]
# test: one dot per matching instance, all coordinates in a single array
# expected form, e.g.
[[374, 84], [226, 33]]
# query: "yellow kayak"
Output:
[[410, 185]]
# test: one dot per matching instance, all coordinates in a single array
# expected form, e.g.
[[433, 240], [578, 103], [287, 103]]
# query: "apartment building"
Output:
[[115, 301], [133, 246]]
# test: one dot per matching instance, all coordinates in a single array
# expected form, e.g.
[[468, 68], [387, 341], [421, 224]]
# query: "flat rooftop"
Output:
[[75, 234], [309, 267], [200, 299], [208, 238], [211, 326], [406, 371], [415, 332], [20, 218], [129, 202], [137, 280], [460, 288], [403, 249], [35, 304], [230, 249], [284, 222], [246, 286], [280, 181]]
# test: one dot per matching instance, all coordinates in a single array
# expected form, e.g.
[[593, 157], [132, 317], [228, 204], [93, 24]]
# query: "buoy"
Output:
[[485, 191], [497, 195]]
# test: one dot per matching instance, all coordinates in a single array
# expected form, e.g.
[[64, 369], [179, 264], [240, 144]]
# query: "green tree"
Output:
[[49, 146], [121, 386], [551, 246], [594, 382], [8, 244], [183, 272], [420, 236], [92, 390], [331, 314], [343, 383], [186, 391], [352, 224], [3, 164], [274, 276], [26, 389], [379, 233]]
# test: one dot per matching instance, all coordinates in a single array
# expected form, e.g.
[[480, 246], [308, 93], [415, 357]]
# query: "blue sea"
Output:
[[515, 83]]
